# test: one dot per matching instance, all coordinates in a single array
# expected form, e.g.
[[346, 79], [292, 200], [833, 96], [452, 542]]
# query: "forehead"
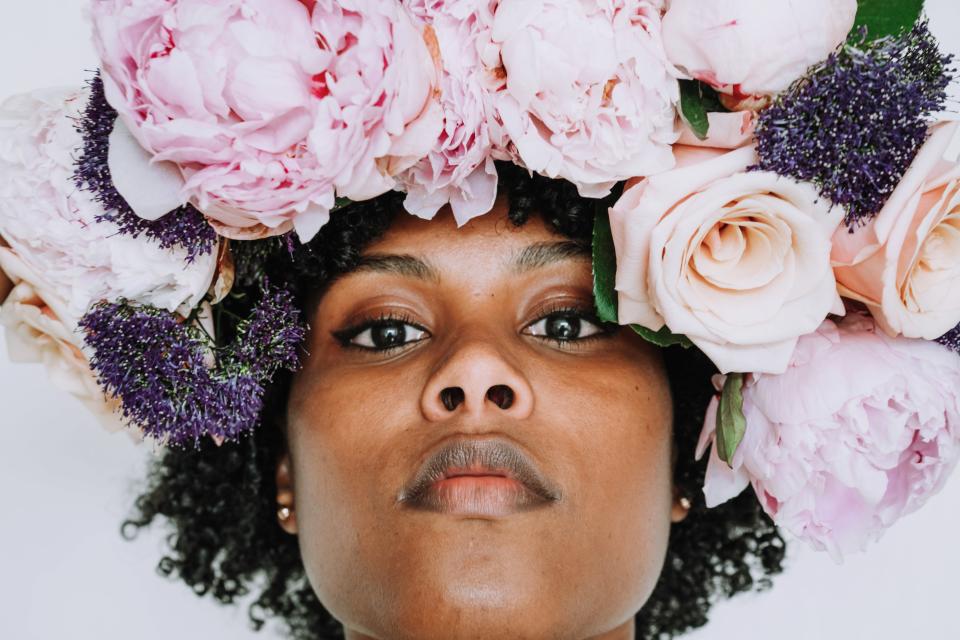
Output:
[[491, 237]]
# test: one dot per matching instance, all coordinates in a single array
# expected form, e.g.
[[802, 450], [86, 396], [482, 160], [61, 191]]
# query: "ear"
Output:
[[285, 496], [680, 508]]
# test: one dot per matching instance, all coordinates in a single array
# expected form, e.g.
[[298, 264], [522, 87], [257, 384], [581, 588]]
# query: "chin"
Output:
[[474, 613]]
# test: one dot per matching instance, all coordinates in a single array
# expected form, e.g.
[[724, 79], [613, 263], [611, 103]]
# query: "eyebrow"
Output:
[[544, 254], [535, 256], [396, 264]]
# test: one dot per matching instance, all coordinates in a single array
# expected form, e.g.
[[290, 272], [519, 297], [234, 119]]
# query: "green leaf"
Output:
[[693, 109], [340, 203], [604, 267], [886, 17], [731, 423], [662, 338]]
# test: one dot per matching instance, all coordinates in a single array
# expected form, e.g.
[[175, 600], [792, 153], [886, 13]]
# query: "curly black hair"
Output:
[[220, 501]]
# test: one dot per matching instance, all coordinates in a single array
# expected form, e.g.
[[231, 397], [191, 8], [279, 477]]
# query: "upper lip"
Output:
[[494, 456]]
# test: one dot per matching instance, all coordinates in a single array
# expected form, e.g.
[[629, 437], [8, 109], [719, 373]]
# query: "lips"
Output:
[[489, 477]]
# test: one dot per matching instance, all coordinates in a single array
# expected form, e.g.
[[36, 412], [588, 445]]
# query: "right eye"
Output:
[[382, 335]]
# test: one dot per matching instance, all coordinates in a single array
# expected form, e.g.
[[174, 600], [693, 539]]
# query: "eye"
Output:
[[564, 326], [381, 335]]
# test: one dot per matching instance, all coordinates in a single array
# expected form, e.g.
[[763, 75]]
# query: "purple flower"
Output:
[[267, 341], [183, 227], [855, 123], [159, 366]]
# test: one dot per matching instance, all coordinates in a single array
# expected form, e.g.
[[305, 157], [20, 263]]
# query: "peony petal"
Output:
[[308, 222], [152, 189]]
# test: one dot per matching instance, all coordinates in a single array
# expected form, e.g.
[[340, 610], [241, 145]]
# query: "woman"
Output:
[[438, 426], [476, 349]]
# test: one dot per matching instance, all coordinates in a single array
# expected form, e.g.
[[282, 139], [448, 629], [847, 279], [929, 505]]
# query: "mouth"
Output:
[[489, 477]]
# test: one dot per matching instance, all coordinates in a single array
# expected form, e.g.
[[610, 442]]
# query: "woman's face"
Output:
[[471, 455]]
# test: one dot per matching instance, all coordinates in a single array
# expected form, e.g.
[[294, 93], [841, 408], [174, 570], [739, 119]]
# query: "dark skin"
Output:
[[590, 407]]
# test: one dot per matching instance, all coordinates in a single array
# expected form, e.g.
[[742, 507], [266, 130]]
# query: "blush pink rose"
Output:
[[59, 258], [586, 92], [904, 264], [268, 111], [859, 431], [754, 46], [459, 170], [737, 261]]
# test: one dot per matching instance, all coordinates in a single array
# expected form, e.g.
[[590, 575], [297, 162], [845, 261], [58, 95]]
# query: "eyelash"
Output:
[[346, 336]]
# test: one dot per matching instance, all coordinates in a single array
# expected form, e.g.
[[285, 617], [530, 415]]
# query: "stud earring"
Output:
[[685, 503], [283, 513]]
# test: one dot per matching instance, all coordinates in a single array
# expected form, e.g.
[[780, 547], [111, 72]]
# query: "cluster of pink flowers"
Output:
[[849, 424], [265, 114], [860, 430]]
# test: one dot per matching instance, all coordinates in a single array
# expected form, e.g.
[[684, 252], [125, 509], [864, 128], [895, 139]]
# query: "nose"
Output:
[[473, 380]]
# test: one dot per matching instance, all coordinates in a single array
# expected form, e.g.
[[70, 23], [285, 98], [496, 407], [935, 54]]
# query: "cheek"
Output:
[[343, 437], [620, 435]]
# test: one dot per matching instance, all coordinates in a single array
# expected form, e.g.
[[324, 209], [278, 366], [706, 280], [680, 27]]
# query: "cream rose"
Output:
[[36, 332], [738, 262], [904, 264]]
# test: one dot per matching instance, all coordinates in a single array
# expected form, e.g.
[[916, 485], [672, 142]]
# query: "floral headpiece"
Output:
[[782, 203]]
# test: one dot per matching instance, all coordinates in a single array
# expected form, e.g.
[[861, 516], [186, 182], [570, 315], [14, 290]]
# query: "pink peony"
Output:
[[459, 171], [59, 258], [904, 264], [587, 93], [268, 111], [51, 228], [747, 47], [860, 430]]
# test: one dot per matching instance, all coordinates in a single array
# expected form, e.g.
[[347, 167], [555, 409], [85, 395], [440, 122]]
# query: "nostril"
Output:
[[452, 397], [500, 395]]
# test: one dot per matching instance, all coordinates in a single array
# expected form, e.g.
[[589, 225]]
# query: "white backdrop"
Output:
[[65, 486]]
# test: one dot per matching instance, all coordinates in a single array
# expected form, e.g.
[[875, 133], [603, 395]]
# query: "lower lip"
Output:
[[479, 496]]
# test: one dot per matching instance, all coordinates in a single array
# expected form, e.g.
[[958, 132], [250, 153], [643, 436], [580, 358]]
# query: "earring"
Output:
[[685, 503], [283, 513]]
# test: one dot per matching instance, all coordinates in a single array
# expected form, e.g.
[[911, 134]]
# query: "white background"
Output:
[[65, 485]]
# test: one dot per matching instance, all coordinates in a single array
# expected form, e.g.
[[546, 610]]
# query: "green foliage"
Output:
[[886, 17], [696, 101], [731, 423], [604, 268], [662, 338]]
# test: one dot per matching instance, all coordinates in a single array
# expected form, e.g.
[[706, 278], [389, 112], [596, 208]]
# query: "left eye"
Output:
[[388, 334], [564, 326]]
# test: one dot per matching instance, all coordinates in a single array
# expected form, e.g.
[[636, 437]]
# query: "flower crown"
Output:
[[781, 202]]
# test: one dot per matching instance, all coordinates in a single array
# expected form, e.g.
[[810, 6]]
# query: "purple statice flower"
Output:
[[853, 125], [162, 369], [268, 340], [184, 227]]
